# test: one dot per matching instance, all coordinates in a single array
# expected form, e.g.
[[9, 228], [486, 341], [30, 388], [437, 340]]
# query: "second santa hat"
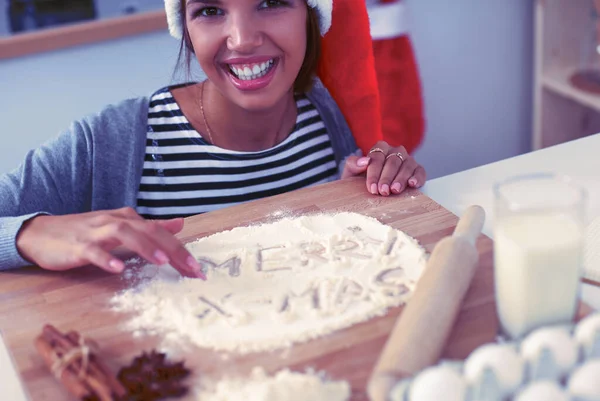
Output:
[[347, 65]]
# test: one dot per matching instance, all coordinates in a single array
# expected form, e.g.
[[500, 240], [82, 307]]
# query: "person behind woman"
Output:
[[259, 125]]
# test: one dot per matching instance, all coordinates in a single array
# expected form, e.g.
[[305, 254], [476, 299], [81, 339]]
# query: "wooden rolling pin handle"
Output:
[[422, 329], [470, 224]]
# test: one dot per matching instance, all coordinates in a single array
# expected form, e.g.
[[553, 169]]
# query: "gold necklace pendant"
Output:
[[208, 130]]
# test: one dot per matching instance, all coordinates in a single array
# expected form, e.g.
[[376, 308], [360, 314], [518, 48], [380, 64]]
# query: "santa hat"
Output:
[[347, 65]]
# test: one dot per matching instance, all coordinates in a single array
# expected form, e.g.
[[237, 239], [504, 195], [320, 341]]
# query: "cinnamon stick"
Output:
[[99, 366], [67, 378], [97, 380]]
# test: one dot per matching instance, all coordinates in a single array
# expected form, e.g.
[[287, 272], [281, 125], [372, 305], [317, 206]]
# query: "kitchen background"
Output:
[[475, 57]]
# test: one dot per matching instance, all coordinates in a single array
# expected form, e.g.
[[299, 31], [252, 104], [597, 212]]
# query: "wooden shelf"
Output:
[[559, 83], [81, 33], [564, 40]]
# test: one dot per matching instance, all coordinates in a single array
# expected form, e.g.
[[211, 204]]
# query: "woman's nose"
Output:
[[244, 35]]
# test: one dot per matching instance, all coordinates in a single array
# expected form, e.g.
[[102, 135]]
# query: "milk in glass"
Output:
[[538, 259], [538, 251]]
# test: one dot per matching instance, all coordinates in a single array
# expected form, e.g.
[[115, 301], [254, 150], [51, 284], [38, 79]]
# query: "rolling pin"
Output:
[[422, 329]]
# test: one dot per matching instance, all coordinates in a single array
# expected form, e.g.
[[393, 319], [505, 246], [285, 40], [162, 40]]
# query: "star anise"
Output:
[[150, 377]]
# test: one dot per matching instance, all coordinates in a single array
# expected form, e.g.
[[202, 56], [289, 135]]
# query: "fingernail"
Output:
[[374, 189], [396, 187], [117, 265], [412, 182], [161, 257], [385, 189], [363, 161], [196, 268]]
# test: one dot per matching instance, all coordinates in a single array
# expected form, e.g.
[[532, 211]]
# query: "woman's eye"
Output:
[[209, 12], [272, 3]]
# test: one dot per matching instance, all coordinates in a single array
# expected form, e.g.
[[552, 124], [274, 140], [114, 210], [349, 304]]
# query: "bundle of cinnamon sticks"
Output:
[[75, 362]]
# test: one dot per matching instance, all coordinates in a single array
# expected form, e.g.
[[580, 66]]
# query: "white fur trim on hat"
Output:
[[324, 9], [174, 17], [173, 8]]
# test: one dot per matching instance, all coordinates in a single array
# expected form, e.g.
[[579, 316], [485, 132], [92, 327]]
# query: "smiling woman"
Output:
[[290, 101]]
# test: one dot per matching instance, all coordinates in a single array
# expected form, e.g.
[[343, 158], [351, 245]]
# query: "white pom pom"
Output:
[[502, 359], [438, 383], [585, 381], [542, 390], [558, 342]]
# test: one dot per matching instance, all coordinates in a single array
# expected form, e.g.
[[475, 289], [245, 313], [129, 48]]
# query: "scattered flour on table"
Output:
[[276, 284], [283, 386]]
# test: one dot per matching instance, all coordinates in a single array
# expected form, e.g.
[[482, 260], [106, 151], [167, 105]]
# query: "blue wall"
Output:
[[475, 58]]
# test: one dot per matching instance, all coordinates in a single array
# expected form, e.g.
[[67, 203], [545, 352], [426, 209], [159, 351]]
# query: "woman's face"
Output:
[[251, 50]]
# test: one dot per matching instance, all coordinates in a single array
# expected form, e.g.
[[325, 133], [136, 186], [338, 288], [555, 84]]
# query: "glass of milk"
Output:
[[538, 251]]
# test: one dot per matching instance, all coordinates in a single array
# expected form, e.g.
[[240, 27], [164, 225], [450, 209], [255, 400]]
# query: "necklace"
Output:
[[208, 130]]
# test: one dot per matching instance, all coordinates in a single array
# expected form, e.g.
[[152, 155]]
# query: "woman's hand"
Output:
[[66, 242], [389, 170]]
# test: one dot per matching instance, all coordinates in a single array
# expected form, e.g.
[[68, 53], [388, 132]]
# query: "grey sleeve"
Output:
[[341, 137], [53, 179]]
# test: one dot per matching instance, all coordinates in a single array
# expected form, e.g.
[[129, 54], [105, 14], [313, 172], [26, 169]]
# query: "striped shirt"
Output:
[[184, 175]]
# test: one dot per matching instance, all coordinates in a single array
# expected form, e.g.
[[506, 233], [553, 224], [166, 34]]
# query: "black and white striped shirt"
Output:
[[185, 175]]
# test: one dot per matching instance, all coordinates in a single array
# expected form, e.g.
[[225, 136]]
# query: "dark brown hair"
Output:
[[304, 80]]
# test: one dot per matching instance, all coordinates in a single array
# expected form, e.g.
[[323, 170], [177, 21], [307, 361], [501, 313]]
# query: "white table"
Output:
[[456, 192], [578, 159]]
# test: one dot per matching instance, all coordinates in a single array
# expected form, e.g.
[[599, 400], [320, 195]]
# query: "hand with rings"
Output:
[[388, 170]]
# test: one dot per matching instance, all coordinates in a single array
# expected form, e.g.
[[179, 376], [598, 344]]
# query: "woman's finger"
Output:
[[377, 155], [179, 257], [355, 165], [393, 162], [406, 171], [418, 178], [97, 256], [134, 240], [128, 213], [172, 225]]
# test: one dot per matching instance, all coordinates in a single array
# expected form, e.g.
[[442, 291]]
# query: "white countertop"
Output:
[[578, 159]]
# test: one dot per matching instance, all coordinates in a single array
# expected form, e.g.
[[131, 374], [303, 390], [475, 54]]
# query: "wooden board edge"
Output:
[[82, 33]]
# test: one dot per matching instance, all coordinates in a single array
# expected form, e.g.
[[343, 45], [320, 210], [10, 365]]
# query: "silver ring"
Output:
[[396, 154], [377, 150]]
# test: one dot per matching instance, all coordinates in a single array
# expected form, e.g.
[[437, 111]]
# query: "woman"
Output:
[[256, 127]]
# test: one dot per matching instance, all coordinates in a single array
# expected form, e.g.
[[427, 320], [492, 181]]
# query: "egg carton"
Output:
[[553, 363]]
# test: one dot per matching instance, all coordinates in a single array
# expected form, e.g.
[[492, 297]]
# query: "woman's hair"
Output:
[[305, 79]]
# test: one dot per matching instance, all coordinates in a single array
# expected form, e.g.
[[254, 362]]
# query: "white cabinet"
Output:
[[565, 43]]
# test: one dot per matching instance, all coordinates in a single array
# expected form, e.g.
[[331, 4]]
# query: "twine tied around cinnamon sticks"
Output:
[[75, 362], [80, 354]]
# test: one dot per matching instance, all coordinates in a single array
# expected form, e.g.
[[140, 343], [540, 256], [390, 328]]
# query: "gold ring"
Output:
[[377, 150], [396, 154]]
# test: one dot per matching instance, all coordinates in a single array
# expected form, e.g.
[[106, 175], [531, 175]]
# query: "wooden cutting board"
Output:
[[77, 300]]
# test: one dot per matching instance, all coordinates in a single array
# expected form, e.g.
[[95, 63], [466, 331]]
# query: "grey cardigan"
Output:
[[97, 164]]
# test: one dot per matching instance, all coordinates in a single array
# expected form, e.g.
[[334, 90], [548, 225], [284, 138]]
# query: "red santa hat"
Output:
[[347, 65]]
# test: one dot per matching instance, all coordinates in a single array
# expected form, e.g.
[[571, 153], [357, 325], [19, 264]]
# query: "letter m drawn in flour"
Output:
[[311, 294], [232, 264]]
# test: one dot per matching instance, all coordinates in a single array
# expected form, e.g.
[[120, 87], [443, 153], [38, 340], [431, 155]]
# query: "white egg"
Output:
[[438, 383], [585, 381], [544, 390], [562, 347], [587, 334], [502, 359]]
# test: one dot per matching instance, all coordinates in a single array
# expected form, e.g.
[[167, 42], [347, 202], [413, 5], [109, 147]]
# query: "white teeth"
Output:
[[249, 72]]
